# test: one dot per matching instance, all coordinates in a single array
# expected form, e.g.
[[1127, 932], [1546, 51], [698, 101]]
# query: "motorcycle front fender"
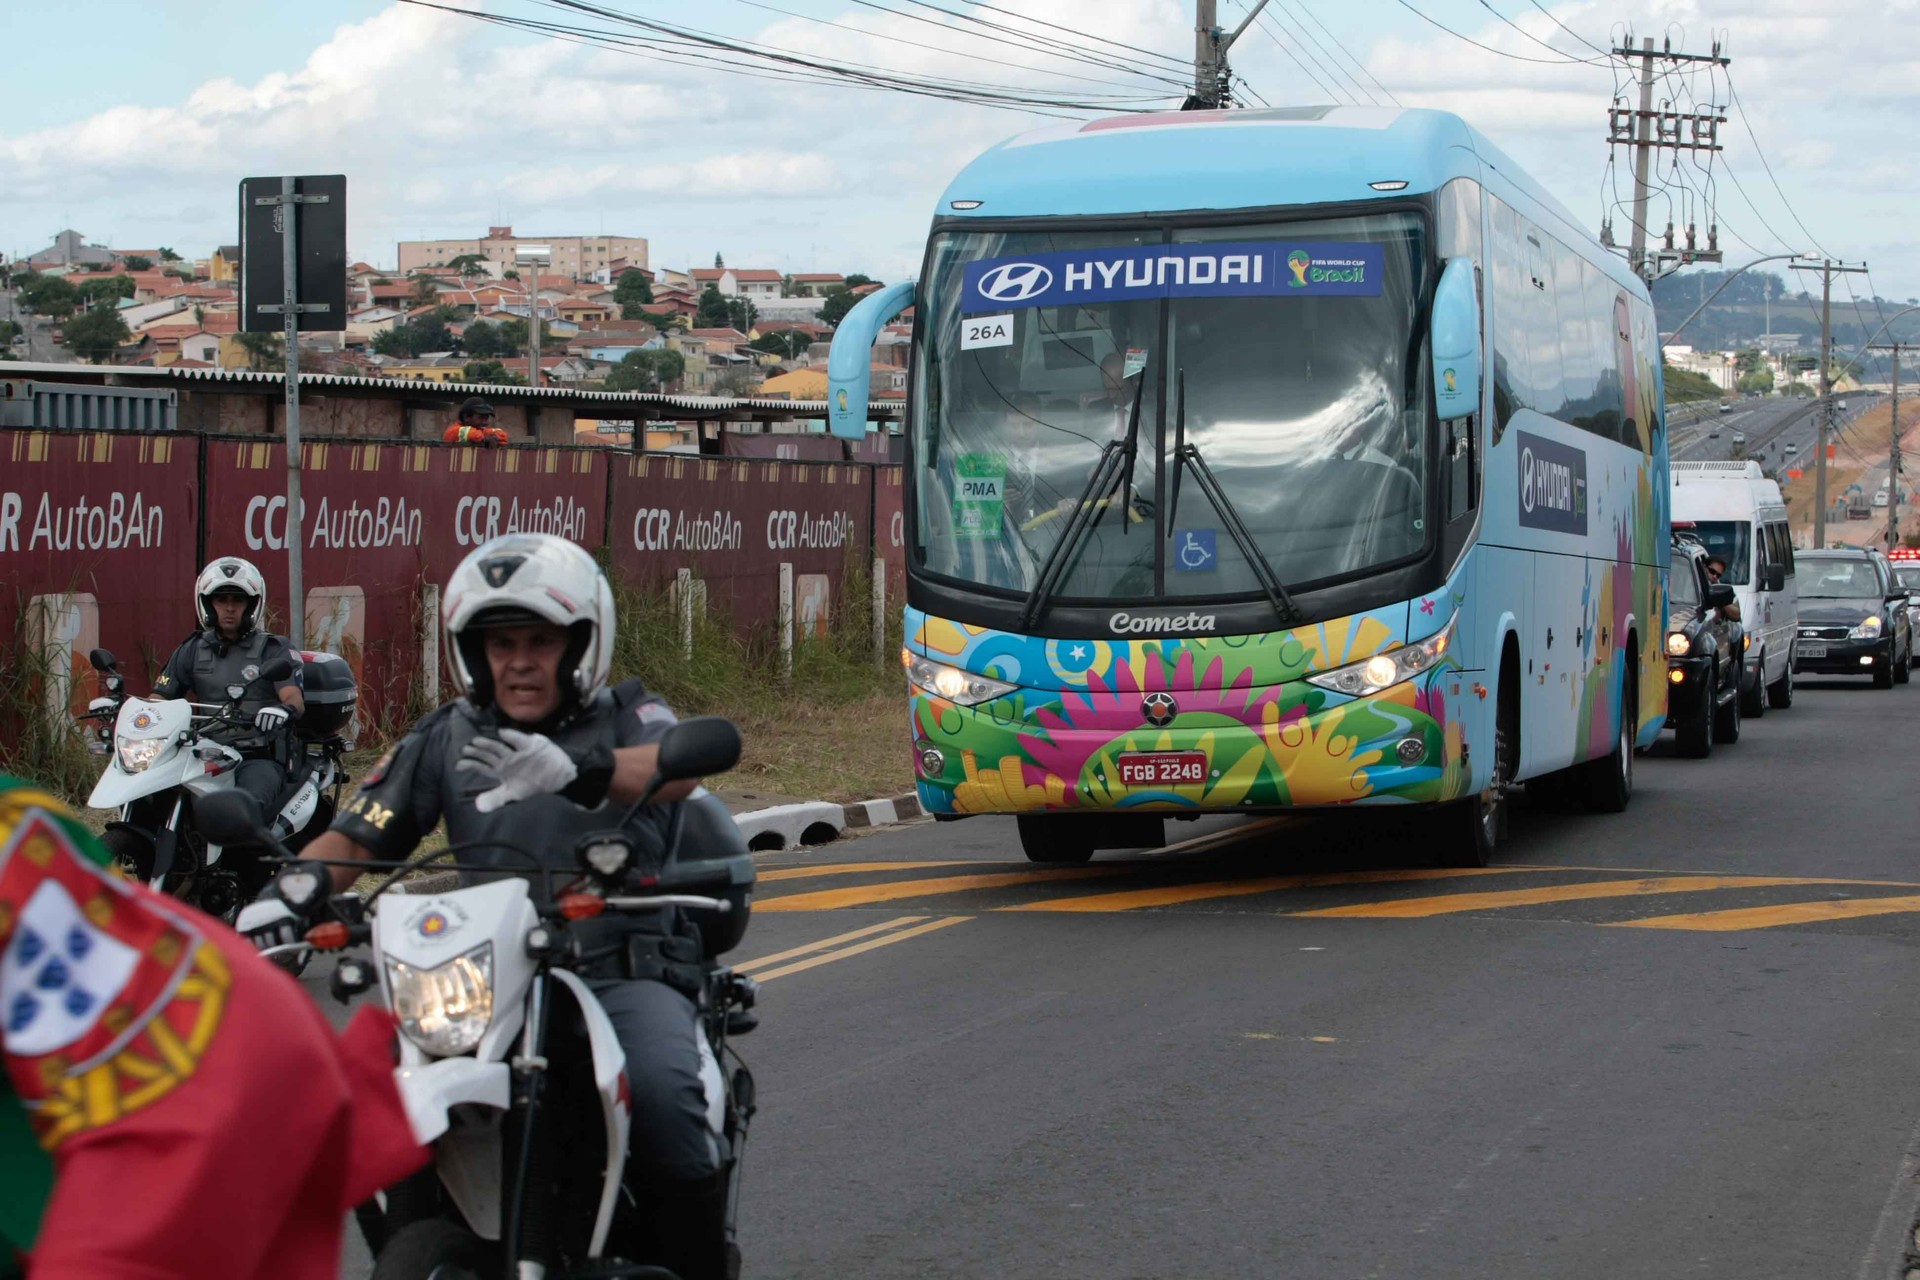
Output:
[[466, 1155], [431, 1089], [117, 787]]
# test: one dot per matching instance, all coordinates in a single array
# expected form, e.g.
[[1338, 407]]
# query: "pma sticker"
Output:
[[141, 720], [434, 921]]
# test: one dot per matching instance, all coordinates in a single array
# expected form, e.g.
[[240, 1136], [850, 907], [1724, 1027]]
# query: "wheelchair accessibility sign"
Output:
[[1194, 550]]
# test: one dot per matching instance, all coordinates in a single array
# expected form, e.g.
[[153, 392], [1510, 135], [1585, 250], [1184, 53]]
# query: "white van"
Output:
[[1741, 518]]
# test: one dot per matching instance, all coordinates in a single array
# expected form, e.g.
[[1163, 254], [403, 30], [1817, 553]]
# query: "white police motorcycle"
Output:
[[508, 1066], [162, 763]]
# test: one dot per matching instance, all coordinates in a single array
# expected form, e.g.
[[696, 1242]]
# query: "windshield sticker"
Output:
[[1195, 550], [1553, 485], [1136, 362], [1221, 270], [986, 331], [978, 494]]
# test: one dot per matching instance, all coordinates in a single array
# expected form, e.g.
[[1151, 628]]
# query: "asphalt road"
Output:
[[1674, 1042], [1770, 425]]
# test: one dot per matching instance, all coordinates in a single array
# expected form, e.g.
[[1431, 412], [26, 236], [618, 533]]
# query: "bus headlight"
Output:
[[1678, 645], [446, 1009], [1868, 630], [963, 688], [1385, 670]]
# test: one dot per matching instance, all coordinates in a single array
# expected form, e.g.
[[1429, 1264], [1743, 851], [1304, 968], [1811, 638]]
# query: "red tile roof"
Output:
[[759, 277], [816, 277]]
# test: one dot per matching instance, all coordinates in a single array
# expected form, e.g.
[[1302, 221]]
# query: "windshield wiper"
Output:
[[1115, 464], [1188, 455]]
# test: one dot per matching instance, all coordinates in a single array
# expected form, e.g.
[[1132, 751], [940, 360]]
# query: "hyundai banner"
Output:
[[1553, 485], [1271, 269]]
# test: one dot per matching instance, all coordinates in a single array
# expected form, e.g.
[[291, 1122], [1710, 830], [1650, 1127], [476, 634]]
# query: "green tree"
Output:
[[95, 292], [632, 287], [1759, 382], [469, 264], [49, 296], [200, 317], [430, 333], [168, 255], [265, 351], [661, 320], [719, 263], [513, 336], [137, 263], [782, 342], [855, 280], [647, 371], [482, 340], [741, 314], [713, 313], [425, 290], [9, 330], [740, 380], [395, 342], [836, 306], [490, 371]]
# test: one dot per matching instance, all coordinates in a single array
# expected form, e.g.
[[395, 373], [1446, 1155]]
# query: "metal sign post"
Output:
[[283, 207]]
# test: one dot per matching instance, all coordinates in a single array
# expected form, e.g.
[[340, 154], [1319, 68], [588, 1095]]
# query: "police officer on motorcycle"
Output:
[[231, 648], [538, 753]]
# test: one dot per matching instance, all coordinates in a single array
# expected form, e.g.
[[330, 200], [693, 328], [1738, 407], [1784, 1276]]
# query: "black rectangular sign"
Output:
[[1553, 485], [322, 231]]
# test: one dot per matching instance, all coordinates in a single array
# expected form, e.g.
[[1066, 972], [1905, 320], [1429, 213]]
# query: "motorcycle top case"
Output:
[[331, 695]]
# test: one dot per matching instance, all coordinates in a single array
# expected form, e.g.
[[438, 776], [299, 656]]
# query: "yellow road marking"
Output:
[[885, 940], [849, 868], [892, 890], [1170, 895], [825, 943], [1454, 903], [1691, 871], [1773, 917]]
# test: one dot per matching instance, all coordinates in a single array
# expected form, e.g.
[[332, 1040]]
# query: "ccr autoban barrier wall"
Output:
[[101, 535]]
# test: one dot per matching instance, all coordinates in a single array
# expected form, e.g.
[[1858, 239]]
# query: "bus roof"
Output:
[[1186, 160]]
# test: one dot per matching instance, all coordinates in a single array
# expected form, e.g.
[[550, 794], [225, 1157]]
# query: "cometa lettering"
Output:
[[122, 520], [1129, 624]]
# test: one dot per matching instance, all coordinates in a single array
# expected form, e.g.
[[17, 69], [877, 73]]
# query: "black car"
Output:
[[1703, 655], [1853, 617]]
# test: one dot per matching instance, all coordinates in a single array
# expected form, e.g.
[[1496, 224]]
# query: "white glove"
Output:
[[520, 764], [268, 923], [270, 719]]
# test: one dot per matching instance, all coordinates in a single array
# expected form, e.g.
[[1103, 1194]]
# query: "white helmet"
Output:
[[522, 578], [229, 573]]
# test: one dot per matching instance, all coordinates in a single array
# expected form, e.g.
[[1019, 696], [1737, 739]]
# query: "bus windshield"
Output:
[[1288, 356]]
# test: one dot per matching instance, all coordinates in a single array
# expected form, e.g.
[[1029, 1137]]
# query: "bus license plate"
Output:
[[1805, 650], [1161, 768]]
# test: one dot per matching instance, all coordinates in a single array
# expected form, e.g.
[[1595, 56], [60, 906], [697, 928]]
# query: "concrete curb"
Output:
[[784, 826]]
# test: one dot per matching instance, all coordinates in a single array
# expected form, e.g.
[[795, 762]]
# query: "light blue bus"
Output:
[[1271, 460]]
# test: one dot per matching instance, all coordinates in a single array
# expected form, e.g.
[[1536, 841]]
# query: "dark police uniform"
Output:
[[676, 1083], [203, 667]]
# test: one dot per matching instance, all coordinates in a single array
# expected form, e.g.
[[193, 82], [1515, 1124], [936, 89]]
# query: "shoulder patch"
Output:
[[373, 776], [655, 712]]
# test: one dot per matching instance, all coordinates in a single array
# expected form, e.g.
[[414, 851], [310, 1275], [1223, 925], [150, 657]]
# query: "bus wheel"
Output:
[[1478, 825], [1047, 837], [1609, 780]]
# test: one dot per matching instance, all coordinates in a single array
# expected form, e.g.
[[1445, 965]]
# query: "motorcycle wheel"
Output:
[[131, 851], [434, 1250]]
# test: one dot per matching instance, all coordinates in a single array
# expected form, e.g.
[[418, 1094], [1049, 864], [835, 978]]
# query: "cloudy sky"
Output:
[[137, 134]]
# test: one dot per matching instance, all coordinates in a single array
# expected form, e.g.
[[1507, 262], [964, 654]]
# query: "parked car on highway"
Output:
[[1703, 655], [1853, 617], [1738, 515]]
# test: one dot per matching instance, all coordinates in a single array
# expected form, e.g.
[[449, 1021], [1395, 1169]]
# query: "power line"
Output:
[[1569, 30], [1278, 14], [1733, 96], [1487, 5], [1061, 47], [1267, 31], [1084, 35], [1564, 60], [1301, 5]]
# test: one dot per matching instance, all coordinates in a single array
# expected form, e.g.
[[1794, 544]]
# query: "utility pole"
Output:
[[1212, 77], [1645, 131], [1893, 445], [1828, 269]]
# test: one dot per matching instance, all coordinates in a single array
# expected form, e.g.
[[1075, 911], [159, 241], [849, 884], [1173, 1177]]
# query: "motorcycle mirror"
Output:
[[350, 978], [229, 818], [698, 748], [235, 692], [101, 659], [277, 670], [605, 855], [114, 684]]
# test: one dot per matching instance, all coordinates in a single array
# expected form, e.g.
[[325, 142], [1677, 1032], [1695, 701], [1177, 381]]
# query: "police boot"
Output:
[[690, 1227]]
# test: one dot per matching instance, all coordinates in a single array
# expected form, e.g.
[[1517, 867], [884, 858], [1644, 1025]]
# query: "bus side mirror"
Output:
[[850, 359], [1455, 341]]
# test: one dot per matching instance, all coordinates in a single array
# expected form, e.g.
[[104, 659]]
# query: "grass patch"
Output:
[[39, 741]]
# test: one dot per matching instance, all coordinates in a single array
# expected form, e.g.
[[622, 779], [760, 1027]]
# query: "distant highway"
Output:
[[1770, 426]]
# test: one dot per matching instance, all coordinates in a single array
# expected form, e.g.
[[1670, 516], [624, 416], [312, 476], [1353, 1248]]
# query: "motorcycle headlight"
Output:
[[963, 688], [1384, 670], [1678, 645], [137, 753], [446, 1009], [1868, 630]]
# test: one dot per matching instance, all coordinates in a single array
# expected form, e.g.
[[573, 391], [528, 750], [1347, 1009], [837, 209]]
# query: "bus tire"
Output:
[[1480, 823], [1609, 780], [1046, 837]]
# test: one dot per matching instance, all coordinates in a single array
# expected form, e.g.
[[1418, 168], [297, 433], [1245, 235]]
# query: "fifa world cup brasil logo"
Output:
[[1297, 262]]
